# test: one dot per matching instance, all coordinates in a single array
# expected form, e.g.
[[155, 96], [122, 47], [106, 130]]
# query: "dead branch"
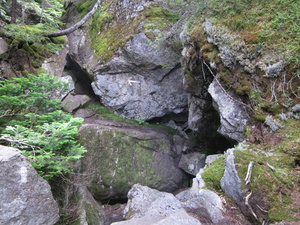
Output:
[[249, 206], [71, 29], [261, 209], [271, 167], [220, 85], [249, 172]]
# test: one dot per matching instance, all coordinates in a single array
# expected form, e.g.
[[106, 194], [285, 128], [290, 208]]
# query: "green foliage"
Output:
[[48, 11], [34, 123], [4, 10]]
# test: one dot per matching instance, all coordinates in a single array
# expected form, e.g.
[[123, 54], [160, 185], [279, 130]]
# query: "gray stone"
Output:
[[144, 201], [142, 80], [3, 46], [273, 124], [204, 203], [233, 115], [211, 158], [141, 83], [25, 198], [118, 157], [73, 102], [56, 63], [179, 217], [192, 162], [83, 208], [231, 183], [296, 108]]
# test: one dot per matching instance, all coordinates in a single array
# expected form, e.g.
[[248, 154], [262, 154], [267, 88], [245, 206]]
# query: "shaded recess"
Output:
[[81, 78]]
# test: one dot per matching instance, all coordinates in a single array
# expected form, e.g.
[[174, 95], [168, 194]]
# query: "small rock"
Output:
[[296, 108], [192, 162], [3, 46], [73, 102], [273, 124]]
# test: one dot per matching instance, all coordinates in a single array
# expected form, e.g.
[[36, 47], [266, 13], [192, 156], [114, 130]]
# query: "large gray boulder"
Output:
[[141, 78], [119, 156], [233, 114], [142, 82], [148, 206], [25, 198]]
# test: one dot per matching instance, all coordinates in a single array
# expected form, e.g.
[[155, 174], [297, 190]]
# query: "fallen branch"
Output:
[[265, 211], [271, 167], [249, 172], [76, 25], [249, 206]]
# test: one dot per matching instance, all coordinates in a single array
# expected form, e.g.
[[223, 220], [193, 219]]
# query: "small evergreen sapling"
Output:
[[33, 122]]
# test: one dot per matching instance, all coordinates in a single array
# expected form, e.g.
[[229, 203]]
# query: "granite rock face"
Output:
[[142, 82], [233, 115], [25, 198]]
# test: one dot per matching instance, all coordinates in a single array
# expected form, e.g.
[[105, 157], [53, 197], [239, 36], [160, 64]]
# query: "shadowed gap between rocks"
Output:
[[81, 79]]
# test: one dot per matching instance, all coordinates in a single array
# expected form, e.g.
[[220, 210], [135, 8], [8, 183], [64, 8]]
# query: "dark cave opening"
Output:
[[81, 78], [114, 201]]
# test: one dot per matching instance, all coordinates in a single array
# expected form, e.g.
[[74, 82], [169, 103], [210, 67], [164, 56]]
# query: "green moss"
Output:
[[59, 40], [102, 111], [271, 107], [109, 33], [128, 160], [270, 188], [213, 174]]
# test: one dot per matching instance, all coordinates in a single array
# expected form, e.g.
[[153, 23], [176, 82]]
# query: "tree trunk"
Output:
[[76, 25], [13, 11]]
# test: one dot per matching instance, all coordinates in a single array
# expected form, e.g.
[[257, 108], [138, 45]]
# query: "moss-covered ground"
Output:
[[275, 175]]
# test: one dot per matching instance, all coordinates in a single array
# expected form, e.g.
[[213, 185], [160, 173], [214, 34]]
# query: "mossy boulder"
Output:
[[119, 158]]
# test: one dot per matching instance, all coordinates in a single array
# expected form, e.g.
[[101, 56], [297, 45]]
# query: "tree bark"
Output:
[[71, 29], [13, 11]]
